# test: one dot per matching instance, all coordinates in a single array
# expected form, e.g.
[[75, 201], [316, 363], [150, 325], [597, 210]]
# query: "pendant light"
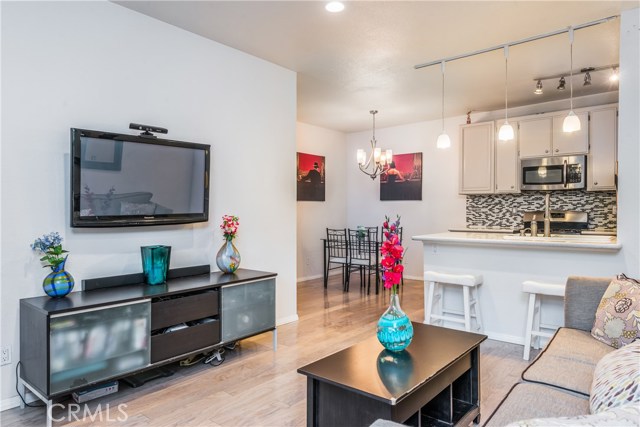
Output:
[[443, 139], [571, 122], [506, 130]]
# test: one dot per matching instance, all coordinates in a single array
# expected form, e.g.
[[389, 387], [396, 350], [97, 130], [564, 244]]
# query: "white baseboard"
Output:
[[288, 319], [512, 339], [304, 279], [14, 402]]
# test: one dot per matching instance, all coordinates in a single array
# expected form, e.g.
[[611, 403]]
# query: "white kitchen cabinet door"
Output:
[[535, 137], [566, 143], [508, 164], [601, 163], [477, 158]]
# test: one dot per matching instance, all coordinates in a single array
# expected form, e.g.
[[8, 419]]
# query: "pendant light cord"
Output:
[[443, 96], [506, 79], [571, 69]]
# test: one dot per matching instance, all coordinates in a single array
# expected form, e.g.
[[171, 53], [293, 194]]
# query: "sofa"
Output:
[[558, 383]]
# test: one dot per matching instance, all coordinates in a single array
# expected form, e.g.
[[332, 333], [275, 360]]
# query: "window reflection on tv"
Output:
[[121, 180]]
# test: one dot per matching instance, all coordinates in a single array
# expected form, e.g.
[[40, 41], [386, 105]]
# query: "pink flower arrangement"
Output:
[[229, 226], [391, 252]]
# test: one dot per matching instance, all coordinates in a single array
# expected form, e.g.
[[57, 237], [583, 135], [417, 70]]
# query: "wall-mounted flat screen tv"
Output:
[[120, 180]]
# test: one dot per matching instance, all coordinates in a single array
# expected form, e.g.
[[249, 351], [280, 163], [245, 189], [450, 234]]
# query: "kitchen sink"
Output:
[[563, 238]]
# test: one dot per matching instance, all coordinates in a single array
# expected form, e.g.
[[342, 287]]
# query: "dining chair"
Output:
[[337, 253], [363, 247]]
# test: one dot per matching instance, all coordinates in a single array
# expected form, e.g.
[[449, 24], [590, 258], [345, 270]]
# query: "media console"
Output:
[[118, 326]]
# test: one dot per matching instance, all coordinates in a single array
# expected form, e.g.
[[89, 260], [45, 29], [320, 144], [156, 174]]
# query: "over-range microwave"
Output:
[[553, 173]]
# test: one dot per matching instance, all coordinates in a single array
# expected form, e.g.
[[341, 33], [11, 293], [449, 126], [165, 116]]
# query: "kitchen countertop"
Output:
[[584, 242]]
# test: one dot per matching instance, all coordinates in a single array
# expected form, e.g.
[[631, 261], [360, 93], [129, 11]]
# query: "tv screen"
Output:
[[122, 180]]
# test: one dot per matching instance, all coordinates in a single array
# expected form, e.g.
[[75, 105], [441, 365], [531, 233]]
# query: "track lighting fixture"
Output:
[[538, 90], [561, 83], [615, 75], [506, 130], [443, 140], [587, 79]]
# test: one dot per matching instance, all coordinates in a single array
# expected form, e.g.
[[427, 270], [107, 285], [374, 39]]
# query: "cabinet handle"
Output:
[[512, 187], [546, 151], [595, 183], [557, 149]]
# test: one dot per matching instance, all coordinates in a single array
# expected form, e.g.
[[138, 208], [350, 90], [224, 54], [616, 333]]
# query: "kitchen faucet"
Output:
[[547, 215]]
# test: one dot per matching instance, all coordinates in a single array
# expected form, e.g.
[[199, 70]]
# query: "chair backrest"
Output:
[[363, 244], [337, 243]]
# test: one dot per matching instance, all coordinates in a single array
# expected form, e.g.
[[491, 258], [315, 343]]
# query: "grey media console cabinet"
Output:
[[122, 326]]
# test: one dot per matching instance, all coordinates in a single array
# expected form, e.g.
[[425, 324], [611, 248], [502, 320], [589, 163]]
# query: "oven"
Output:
[[553, 173]]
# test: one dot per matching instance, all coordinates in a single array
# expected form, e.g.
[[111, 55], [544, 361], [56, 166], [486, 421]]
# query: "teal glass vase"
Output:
[[228, 257], [155, 263], [395, 330], [59, 282]]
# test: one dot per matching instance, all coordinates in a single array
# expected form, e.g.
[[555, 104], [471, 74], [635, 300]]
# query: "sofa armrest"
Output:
[[581, 298]]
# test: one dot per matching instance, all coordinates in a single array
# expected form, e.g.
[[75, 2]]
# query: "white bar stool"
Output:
[[434, 293], [533, 313]]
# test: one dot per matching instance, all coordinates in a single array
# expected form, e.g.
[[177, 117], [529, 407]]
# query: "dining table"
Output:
[[325, 263]]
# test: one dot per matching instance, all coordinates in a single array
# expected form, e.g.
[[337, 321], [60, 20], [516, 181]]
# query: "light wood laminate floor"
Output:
[[256, 386]]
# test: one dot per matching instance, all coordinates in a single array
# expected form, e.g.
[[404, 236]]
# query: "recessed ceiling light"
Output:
[[335, 6]]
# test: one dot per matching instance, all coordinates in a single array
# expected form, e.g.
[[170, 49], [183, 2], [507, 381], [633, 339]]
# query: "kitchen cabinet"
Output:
[[507, 164], [601, 162], [535, 137], [477, 158], [544, 137], [570, 143]]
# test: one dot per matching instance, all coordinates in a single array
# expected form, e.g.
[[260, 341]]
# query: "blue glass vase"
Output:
[[395, 330], [155, 263], [59, 282], [228, 257]]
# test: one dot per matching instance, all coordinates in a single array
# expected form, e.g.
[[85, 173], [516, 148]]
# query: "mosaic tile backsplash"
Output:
[[505, 210]]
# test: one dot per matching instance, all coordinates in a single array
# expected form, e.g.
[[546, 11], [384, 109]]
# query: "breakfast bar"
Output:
[[507, 260]]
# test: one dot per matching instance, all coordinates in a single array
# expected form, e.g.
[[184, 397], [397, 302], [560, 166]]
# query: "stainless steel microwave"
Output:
[[553, 173]]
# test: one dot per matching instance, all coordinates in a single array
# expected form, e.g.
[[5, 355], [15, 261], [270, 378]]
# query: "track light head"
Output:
[[587, 79], [561, 84], [615, 75], [538, 90]]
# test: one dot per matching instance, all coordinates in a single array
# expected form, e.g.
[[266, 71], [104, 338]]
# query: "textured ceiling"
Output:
[[364, 57]]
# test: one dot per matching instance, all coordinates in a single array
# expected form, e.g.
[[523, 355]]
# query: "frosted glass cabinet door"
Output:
[[93, 345], [248, 309]]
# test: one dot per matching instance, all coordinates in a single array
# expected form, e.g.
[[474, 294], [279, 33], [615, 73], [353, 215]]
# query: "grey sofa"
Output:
[[557, 383]]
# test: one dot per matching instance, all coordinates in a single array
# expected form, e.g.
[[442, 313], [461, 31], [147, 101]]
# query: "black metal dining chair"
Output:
[[337, 245], [363, 256]]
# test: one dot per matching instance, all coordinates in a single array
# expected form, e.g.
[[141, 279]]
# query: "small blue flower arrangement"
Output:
[[51, 246]]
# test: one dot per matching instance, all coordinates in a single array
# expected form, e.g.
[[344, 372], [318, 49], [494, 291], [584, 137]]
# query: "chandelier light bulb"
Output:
[[361, 157]]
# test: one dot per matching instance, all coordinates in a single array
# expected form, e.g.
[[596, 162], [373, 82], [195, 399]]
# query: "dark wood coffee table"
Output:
[[435, 381]]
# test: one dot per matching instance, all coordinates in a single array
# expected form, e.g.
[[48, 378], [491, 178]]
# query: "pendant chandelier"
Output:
[[375, 164], [571, 122], [443, 140]]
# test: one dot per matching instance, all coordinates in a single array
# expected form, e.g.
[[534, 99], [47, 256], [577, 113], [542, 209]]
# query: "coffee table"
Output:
[[435, 381]]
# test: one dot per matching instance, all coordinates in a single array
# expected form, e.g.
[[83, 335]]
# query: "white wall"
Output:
[[97, 65], [315, 217], [628, 141]]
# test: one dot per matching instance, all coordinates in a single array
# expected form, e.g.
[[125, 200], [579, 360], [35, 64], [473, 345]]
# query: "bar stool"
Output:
[[433, 280], [533, 313]]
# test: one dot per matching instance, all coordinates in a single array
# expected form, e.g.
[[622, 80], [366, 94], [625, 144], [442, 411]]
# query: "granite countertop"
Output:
[[587, 242]]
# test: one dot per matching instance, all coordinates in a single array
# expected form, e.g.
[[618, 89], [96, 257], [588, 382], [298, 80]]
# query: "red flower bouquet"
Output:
[[391, 252]]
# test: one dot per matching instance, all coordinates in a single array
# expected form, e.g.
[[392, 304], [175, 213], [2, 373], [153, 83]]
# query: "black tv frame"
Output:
[[129, 220]]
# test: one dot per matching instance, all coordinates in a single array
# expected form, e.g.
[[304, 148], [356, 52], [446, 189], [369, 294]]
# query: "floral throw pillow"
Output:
[[618, 315]]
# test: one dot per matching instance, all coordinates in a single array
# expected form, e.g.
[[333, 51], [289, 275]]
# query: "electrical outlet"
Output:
[[5, 355]]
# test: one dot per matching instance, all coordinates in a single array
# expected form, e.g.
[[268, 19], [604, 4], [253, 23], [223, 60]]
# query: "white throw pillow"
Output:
[[623, 416], [616, 379]]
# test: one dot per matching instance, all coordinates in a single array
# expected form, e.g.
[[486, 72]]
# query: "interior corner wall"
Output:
[[441, 206], [97, 65], [315, 217]]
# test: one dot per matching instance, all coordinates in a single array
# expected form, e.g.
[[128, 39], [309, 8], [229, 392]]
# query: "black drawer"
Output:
[[184, 309], [166, 346]]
